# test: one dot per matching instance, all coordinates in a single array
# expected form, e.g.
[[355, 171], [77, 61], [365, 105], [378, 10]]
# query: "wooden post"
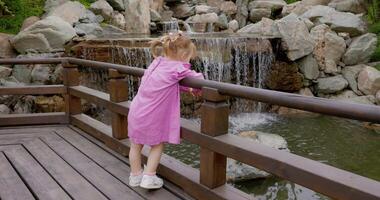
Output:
[[214, 122], [118, 89], [71, 78]]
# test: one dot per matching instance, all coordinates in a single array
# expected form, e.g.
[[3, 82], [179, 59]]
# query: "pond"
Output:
[[338, 142]]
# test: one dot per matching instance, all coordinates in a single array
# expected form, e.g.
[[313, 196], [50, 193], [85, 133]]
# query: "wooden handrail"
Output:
[[34, 89], [213, 139]]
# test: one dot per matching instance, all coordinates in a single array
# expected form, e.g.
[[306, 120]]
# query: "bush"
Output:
[[86, 3], [21, 10], [290, 1]]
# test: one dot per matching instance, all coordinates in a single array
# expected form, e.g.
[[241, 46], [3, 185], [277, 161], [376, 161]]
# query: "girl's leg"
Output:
[[154, 159], [135, 158]]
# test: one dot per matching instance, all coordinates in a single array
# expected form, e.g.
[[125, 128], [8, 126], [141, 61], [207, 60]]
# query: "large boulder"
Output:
[[268, 4], [203, 9], [228, 7], [102, 7], [22, 73], [29, 21], [238, 171], [41, 74], [295, 36], [332, 84], [182, 11], [354, 6], [118, 20], [119, 5], [6, 49], [329, 48], [44, 36], [256, 14], [350, 96], [351, 73], [300, 7], [233, 25], [4, 109], [360, 49], [378, 97], [291, 111], [369, 80], [70, 11], [49, 104], [205, 18], [265, 28], [52, 4], [309, 67], [89, 29], [137, 16], [5, 72], [242, 12], [284, 77], [338, 21]]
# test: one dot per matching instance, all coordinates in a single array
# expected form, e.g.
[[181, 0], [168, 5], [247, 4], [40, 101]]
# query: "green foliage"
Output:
[[86, 3], [373, 14], [21, 10], [376, 55], [374, 28], [377, 67], [291, 1]]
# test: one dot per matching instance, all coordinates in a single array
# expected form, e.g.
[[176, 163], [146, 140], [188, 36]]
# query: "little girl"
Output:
[[154, 114]]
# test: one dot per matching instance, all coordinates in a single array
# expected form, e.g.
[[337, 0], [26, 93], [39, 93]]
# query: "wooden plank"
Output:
[[317, 176], [38, 180], [182, 175], [11, 185], [30, 129], [168, 185], [69, 179], [33, 90], [101, 179], [33, 118], [100, 98], [110, 163]]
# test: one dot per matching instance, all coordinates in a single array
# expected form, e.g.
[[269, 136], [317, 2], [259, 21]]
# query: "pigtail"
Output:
[[156, 48]]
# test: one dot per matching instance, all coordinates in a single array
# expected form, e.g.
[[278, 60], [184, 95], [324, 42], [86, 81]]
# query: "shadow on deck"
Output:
[[61, 162]]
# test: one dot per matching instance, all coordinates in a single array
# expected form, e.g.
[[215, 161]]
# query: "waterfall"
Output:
[[170, 26], [242, 61]]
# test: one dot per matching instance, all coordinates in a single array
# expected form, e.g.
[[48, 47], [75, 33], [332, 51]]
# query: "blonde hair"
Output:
[[174, 45]]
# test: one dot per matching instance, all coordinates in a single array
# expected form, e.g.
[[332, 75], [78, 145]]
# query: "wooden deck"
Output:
[[58, 162]]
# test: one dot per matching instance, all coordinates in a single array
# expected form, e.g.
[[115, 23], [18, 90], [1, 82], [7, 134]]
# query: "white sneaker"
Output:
[[135, 181], [151, 182]]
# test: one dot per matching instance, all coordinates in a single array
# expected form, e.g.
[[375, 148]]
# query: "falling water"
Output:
[[170, 26]]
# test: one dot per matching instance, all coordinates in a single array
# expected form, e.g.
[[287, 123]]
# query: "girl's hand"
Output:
[[195, 93]]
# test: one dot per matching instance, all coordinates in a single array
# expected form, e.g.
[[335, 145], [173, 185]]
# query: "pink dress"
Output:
[[154, 114]]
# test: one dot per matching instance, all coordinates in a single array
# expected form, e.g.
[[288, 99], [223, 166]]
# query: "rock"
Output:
[[361, 49], [242, 12], [57, 76], [4, 109], [70, 11], [369, 80], [268, 4], [137, 16], [112, 30], [300, 7], [24, 105], [329, 48], [237, 171], [29, 21], [228, 7], [22, 73], [284, 77], [182, 11], [222, 22], [157, 5], [265, 28], [118, 20], [308, 23], [10, 82], [44, 35], [52, 4], [5, 72], [154, 16], [89, 29], [346, 94], [203, 9], [256, 14], [354, 6], [351, 73], [369, 100], [119, 5], [41, 74], [295, 36], [166, 15], [215, 3], [338, 21], [102, 7], [205, 18], [6, 49], [378, 97], [331, 84], [89, 17], [49, 104], [233, 25], [309, 67]]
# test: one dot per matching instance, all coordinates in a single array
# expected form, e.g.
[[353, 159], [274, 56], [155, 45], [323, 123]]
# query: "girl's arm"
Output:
[[184, 72]]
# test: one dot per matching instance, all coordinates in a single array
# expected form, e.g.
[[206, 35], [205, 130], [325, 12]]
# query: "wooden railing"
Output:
[[209, 182]]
